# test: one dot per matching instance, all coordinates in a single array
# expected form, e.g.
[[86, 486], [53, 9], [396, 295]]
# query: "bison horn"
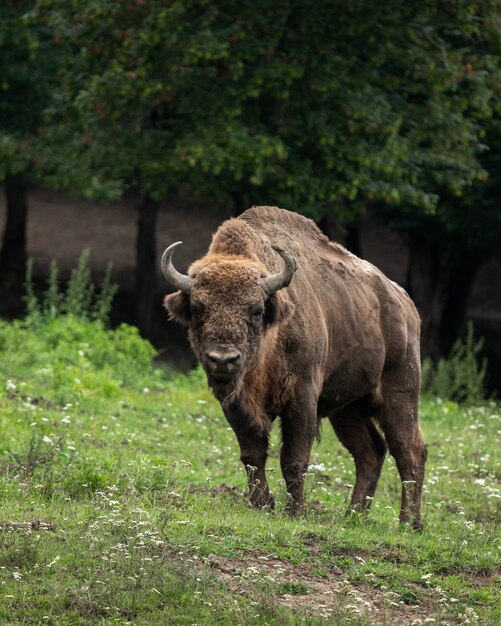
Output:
[[175, 278], [273, 283]]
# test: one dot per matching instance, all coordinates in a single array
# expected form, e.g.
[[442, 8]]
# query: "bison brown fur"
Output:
[[340, 341]]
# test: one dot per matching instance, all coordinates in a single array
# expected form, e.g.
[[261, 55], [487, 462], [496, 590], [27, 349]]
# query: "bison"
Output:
[[287, 323]]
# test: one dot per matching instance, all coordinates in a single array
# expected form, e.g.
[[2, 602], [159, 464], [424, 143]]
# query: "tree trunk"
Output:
[[352, 238], [331, 227], [461, 280], [422, 284], [440, 277], [146, 264], [13, 255], [239, 201]]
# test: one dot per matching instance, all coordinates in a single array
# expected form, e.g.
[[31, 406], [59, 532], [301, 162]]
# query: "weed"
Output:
[[79, 300], [293, 588], [461, 376]]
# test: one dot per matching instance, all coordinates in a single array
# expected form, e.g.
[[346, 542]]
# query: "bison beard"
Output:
[[244, 414], [287, 324], [241, 419]]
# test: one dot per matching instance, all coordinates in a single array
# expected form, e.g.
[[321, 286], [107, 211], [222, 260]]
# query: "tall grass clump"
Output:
[[80, 298], [461, 376]]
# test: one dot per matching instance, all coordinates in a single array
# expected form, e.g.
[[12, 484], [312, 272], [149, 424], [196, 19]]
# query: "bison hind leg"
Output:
[[361, 437], [398, 417], [409, 450]]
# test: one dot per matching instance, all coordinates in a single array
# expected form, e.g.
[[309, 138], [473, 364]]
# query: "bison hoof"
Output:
[[295, 509], [264, 502], [414, 522], [415, 525], [356, 511]]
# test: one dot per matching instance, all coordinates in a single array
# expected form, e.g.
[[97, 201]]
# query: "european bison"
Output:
[[287, 323]]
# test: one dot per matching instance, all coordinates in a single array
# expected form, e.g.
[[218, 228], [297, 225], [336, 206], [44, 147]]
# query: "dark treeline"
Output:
[[341, 111]]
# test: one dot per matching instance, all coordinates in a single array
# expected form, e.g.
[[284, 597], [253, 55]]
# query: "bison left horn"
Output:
[[272, 284], [175, 278]]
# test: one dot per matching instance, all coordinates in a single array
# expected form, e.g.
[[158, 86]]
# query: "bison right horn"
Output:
[[175, 278], [272, 284]]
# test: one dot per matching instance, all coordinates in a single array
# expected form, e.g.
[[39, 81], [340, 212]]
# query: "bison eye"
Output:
[[256, 314], [196, 306]]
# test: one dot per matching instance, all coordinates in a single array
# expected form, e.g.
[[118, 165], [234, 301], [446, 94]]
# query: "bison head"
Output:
[[229, 303]]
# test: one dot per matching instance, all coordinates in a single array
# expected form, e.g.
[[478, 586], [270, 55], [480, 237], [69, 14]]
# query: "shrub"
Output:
[[461, 376], [63, 343], [70, 356]]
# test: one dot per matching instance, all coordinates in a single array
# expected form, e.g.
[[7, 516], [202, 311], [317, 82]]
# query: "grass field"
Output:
[[122, 501]]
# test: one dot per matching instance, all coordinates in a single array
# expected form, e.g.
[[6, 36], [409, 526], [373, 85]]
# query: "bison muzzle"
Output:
[[289, 324]]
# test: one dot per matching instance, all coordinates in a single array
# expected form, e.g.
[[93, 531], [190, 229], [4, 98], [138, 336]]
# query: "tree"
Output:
[[323, 107], [28, 73], [448, 248], [449, 243]]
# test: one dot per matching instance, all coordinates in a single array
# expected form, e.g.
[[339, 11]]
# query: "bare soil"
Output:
[[298, 587]]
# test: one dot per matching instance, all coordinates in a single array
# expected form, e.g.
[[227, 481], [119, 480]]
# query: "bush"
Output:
[[461, 376], [63, 344], [71, 356]]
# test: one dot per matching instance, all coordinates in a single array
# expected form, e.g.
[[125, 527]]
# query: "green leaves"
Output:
[[311, 105], [28, 73]]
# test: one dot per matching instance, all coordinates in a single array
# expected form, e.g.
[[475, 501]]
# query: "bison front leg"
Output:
[[299, 428], [253, 454]]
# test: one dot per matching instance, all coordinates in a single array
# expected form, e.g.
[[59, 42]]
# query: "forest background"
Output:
[[351, 113]]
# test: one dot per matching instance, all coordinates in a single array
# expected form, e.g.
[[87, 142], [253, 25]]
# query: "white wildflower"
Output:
[[319, 467]]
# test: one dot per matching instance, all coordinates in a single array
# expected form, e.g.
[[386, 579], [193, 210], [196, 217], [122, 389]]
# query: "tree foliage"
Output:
[[28, 61], [28, 58], [311, 105], [324, 107]]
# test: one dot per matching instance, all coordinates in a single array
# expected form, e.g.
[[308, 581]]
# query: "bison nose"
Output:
[[223, 362]]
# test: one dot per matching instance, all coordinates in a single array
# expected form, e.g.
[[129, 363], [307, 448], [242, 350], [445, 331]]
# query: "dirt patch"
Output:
[[300, 588], [222, 489], [8, 468]]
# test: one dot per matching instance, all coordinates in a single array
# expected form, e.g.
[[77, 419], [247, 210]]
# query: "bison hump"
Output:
[[283, 224], [236, 238]]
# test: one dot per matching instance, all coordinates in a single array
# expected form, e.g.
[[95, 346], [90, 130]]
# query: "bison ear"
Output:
[[178, 307], [278, 308]]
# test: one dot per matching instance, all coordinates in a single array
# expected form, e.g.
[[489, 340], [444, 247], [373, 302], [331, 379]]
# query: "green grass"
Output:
[[122, 502]]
